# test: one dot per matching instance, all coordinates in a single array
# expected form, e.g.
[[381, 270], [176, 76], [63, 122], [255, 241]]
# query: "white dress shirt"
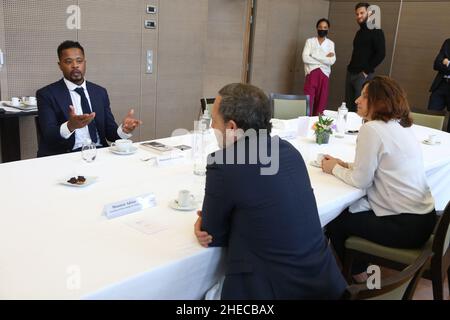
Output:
[[315, 55], [448, 76], [82, 134], [389, 164]]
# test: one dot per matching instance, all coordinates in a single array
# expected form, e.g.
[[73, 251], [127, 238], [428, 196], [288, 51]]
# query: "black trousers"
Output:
[[440, 98], [353, 86], [408, 231]]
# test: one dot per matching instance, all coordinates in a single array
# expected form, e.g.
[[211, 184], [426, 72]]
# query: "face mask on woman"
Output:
[[322, 33]]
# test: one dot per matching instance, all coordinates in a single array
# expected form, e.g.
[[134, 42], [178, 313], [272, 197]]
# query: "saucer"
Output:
[[89, 180], [174, 205], [29, 104], [132, 150], [426, 141], [314, 163], [9, 104]]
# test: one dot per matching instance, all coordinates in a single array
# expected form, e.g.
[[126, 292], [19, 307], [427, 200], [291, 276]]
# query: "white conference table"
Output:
[[56, 244]]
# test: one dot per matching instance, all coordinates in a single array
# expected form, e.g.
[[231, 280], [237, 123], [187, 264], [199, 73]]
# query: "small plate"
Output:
[[426, 141], [89, 180], [124, 153], [174, 205], [314, 163]]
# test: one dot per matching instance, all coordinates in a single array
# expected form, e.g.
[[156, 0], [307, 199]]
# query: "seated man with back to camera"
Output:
[[265, 213]]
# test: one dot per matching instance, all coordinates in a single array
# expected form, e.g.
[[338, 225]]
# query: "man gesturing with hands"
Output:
[[73, 110]]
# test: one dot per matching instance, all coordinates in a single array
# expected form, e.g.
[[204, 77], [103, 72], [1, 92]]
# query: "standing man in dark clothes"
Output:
[[368, 53], [440, 89]]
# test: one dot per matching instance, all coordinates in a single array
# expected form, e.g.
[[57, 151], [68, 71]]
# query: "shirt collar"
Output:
[[72, 86], [317, 39]]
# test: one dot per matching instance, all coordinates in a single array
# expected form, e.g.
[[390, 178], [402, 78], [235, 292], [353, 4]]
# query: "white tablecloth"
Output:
[[55, 243]]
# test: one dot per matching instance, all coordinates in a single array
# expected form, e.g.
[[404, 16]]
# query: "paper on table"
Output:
[[170, 159], [288, 129], [148, 225]]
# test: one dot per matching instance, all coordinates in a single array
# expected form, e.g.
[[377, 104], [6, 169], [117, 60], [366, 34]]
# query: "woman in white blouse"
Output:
[[399, 208], [318, 57]]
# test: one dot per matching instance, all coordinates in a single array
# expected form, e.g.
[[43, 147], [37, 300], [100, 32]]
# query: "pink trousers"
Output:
[[316, 86]]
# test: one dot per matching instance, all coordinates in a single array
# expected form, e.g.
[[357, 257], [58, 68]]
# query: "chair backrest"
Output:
[[289, 106], [38, 129], [433, 120], [207, 103], [400, 286], [442, 234]]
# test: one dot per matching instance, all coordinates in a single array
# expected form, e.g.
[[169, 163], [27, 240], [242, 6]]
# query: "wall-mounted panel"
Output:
[[32, 32], [148, 80]]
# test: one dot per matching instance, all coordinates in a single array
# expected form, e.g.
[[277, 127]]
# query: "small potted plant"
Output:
[[323, 129]]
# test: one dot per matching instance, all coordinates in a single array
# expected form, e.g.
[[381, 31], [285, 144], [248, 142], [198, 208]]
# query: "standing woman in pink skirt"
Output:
[[318, 57]]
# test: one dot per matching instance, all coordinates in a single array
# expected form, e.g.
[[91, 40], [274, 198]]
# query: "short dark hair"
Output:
[[386, 100], [68, 44], [246, 105], [322, 20], [362, 4]]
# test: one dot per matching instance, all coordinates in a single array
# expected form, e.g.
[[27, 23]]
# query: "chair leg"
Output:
[[448, 277], [347, 266], [438, 289]]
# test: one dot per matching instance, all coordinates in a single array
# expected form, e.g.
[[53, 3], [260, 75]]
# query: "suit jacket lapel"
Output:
[[63, 98], [92, 97], [97, 107]]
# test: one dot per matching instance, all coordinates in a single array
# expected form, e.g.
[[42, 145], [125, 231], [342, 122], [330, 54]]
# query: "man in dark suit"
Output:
[[73, 110], [260, 204], [440, 89]]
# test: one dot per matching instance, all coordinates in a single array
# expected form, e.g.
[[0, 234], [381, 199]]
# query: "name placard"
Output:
[[130, 205]]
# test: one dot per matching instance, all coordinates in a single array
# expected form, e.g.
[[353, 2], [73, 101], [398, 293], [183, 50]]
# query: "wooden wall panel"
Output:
[[282, 28], [181, 52], [275, 44], [225, 44], [422, 31], [111, 36]]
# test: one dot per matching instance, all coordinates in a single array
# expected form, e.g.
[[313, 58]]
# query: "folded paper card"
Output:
[[304, 125], [330, 114], [130, 205]]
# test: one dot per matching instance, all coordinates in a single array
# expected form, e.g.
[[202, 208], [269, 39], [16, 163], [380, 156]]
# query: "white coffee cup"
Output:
[[15, 101], [32, 100], [432, 138], [320, 157], [184, 198], [123, 145]]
